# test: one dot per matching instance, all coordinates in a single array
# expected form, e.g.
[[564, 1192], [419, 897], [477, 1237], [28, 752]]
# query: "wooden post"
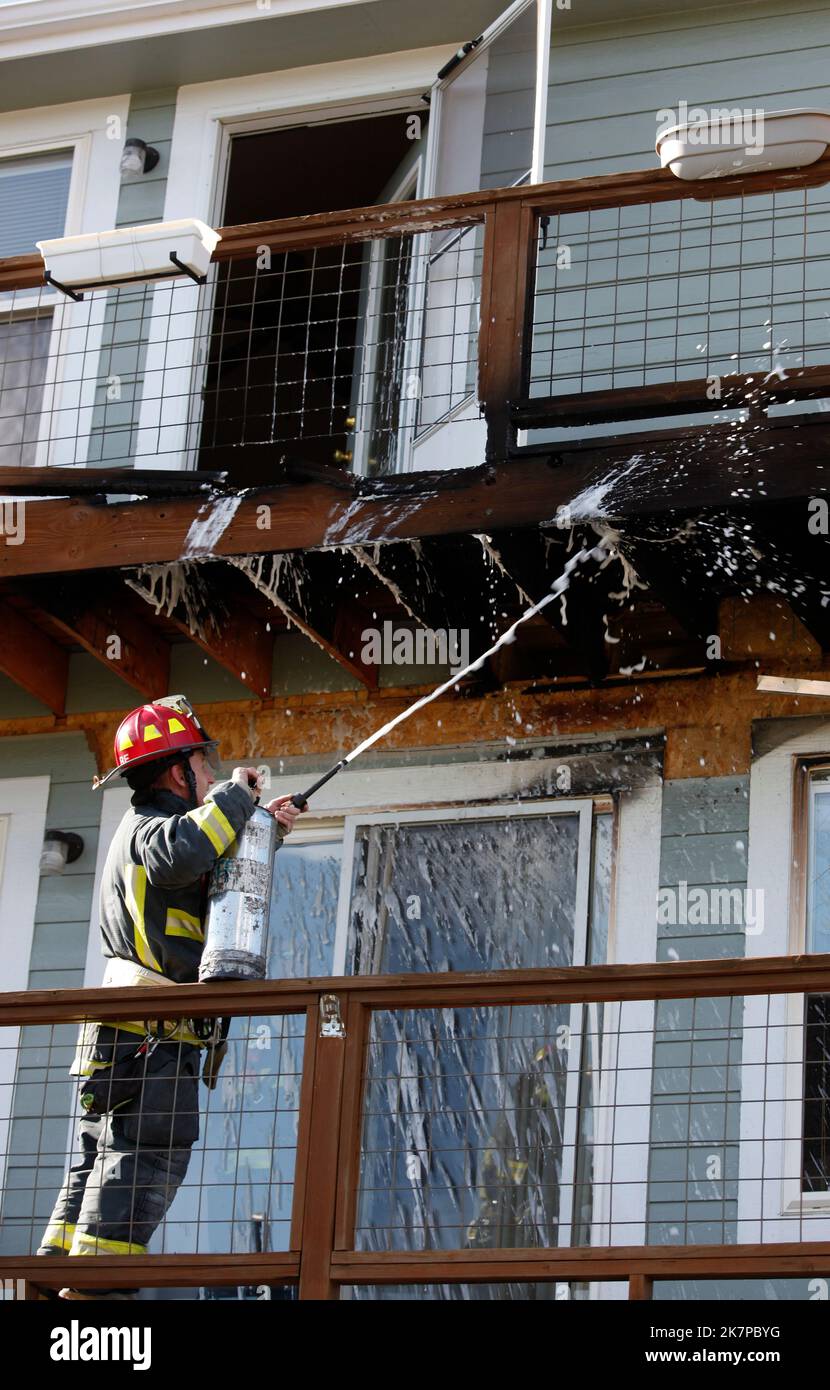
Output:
[[323, 1066], [640, 1287], [507, 276]]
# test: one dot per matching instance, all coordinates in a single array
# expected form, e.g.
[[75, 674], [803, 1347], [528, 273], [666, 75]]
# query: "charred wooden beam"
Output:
[[536, 562], [110, 630], [32, 660], [681, 469], [795, 563], [325, 595], [205, 607], [682, 592]]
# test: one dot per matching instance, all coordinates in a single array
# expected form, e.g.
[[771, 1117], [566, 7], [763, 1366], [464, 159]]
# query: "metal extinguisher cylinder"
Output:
[[239, 901]]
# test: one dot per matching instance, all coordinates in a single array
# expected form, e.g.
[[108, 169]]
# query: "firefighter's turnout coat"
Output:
[[153, 891]]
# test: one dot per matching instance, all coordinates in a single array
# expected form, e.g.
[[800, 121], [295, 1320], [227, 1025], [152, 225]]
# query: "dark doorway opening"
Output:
[[280, 376]]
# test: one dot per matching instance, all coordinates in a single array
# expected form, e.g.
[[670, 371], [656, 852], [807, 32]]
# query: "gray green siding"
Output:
[[126, 325], [42, 1098], [697, 1050]]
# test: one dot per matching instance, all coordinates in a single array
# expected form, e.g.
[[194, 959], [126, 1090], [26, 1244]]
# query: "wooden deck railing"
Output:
[[323, 1254], [515, 222]]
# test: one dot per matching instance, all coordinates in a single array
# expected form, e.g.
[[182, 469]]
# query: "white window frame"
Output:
[[620, 1214], [771, 1205], [82, 129], [208, 115], [583, 809], [23, 805]]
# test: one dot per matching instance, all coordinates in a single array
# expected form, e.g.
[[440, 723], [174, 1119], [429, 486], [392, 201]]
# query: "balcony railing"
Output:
[[560, 1129], [357, 337]]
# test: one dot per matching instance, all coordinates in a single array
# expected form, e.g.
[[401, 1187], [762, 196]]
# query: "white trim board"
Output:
[[54, 25], [24, 800], [115, 802], [204, 108]]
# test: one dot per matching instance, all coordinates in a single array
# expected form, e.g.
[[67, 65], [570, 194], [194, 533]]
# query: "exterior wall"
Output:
[[608, 82], [697, 1051], [37, 1142], [124, 340]]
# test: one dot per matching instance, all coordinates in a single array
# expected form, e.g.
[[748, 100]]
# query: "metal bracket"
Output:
[[64, 289], [185, 269], [331, 1024]]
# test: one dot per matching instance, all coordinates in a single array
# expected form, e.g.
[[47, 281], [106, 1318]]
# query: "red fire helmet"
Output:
[[154, 731]]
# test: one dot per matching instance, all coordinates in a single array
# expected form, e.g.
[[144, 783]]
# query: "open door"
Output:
[[480, 136]]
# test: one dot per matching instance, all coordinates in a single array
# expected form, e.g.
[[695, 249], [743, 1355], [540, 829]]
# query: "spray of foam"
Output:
[[597, 553], [209, 525]]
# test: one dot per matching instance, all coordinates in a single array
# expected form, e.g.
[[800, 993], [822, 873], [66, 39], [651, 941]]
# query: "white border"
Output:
[[24, 800]]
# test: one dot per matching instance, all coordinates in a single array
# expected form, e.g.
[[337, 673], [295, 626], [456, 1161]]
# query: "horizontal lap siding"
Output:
[[43, 1098], [696, 1083], [141, 200]]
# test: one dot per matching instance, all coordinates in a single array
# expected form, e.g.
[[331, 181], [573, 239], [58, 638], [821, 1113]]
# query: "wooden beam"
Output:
[[680, 469], [32, 660], [576, 984], [223, 627], [507, 277], [324, 595], [667, 398], [111, 631], [526, 556], [566, 195], [671, 581]]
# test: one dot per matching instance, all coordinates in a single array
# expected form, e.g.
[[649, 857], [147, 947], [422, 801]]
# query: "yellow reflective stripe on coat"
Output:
[[181, 923], [135, 880], [85, 1244], [59, 1234], [213, 822]]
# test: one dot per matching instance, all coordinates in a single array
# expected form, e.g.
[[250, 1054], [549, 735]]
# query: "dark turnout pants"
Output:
[[133, 1161]]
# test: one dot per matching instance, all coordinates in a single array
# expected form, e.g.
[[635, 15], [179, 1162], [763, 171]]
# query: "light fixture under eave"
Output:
[[60, 847], [126, 255], [138, 157]]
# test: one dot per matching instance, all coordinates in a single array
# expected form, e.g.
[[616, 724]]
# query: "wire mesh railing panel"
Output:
[[666, 292], [675, 1122], [343, 354], [136, 1153]]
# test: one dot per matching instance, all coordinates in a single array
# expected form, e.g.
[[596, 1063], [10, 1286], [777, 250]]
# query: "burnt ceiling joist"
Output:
[[109, 626], [326, 595], [203, 603], [32, 659]]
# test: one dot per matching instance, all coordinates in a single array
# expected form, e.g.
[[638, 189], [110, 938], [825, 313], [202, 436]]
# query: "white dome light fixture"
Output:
[[138, 157], [60, 847]]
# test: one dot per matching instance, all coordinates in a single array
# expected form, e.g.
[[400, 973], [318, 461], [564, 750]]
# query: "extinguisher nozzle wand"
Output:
[[300, 798]]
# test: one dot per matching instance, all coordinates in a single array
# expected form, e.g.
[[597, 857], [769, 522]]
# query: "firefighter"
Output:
[[139, 1078]]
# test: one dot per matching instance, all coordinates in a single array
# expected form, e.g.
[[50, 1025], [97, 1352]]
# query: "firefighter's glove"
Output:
[[214, 1057]]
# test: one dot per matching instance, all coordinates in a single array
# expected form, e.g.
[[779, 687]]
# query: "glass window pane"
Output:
[[34, 193], [304, 910], [465, 895], [24, 352]]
